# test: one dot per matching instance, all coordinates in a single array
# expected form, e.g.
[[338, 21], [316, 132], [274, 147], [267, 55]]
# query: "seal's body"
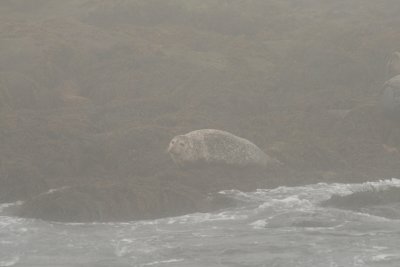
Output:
[[216, 146]]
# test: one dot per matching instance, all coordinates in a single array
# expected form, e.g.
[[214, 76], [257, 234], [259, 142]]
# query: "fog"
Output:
[[92, 92]]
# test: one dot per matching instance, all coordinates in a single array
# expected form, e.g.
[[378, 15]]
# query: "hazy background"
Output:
[[91, 92]]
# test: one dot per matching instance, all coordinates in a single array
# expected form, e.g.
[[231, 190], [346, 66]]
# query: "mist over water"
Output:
[[92, 92]]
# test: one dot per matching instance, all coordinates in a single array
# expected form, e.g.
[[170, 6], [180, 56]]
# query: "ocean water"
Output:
[[285, 226]]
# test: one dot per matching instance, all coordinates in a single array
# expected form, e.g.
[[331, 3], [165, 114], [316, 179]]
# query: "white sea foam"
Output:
[[287, 202], [280, 199], [385, 257], [58, 189], [314, 193], [10, 221], [193, 218], [291, 202], [271, 217], [9, 262], [163, 261], [259, 224], [123, 247], [4, 206], [207, 217]]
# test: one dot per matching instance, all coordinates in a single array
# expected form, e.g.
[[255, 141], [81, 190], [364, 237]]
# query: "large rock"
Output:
[[116, 202], [170, 193]]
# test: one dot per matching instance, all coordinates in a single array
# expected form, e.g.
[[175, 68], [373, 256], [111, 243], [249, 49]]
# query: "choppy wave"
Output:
[[377, 199], [11, 261], [314, 193], [5, 206], [285, 226]]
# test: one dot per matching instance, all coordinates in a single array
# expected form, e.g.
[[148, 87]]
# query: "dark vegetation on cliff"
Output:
[[92, 91]]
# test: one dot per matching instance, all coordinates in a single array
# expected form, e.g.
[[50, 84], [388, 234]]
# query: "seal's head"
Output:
[[180, 149]]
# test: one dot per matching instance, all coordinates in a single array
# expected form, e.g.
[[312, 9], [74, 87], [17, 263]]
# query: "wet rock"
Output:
[[116, 202], [170, 193], [19, 179], [385, 203]]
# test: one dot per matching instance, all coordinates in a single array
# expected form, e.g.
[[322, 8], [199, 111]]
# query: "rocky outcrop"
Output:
[[91, 93]]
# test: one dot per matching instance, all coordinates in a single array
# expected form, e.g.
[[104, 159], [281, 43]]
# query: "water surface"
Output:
[[285, 226]]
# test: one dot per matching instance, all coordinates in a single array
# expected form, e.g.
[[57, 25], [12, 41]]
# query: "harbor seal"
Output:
[[217, 147]]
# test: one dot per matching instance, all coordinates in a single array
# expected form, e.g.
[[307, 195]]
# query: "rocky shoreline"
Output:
[[91, 93]]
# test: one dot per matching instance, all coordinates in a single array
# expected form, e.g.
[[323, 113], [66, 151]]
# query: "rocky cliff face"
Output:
[[91, 92]]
